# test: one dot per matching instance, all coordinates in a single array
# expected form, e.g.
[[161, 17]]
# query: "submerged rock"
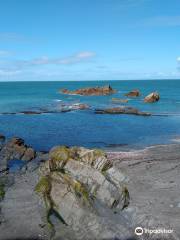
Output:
[[73, 107], [119, 100], [122, 110], [30, 112], [152, 97], [106, 90], [133, 93]]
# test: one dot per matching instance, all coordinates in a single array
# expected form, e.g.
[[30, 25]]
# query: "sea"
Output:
[[84, 127]]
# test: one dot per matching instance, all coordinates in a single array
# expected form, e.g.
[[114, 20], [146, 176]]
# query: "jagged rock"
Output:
[[133, 93], [121, 110], [106, 90], [152, 97], [97, 159], [74, 185]]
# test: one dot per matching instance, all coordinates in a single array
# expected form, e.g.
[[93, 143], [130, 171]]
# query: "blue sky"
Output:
[[89, 39]]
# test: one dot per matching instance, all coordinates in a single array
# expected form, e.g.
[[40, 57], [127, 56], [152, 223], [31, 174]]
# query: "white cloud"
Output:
[[83, 55], [45, 60]]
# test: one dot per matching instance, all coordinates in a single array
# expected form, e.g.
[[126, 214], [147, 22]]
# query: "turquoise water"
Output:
[[84, 127]]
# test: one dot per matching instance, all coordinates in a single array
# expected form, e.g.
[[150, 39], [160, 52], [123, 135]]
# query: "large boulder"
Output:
[[152, 97], [76, 186], [133, 93], [122, 110], [106, 90]]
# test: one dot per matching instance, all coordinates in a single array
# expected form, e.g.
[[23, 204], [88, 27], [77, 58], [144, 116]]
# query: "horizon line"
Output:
[[148, 79]]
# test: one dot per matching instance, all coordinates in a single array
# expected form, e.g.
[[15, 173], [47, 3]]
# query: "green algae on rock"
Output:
[[2, 191], [58, 157]]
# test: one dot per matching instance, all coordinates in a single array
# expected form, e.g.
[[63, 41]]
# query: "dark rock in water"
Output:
[[62, 109], [122, 110], [152, 97], [30, 112], [93, 91], [133, 93]]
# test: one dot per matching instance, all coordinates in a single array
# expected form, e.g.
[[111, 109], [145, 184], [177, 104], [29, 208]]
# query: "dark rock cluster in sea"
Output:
[[122, 110], [65, 107]]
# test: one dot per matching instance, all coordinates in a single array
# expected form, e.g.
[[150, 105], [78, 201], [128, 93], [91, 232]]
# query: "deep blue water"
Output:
[[84, 127]]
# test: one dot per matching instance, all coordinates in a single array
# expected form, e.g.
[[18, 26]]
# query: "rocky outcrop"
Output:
[[152, 97], [133, 93], [77, 185], [15, 148], [93, 91], [122, 110]]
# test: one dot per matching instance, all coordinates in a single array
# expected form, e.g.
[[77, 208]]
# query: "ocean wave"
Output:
[[57, 100]]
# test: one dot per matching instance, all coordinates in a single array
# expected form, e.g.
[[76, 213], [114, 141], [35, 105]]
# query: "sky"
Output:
[[89, 40]]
